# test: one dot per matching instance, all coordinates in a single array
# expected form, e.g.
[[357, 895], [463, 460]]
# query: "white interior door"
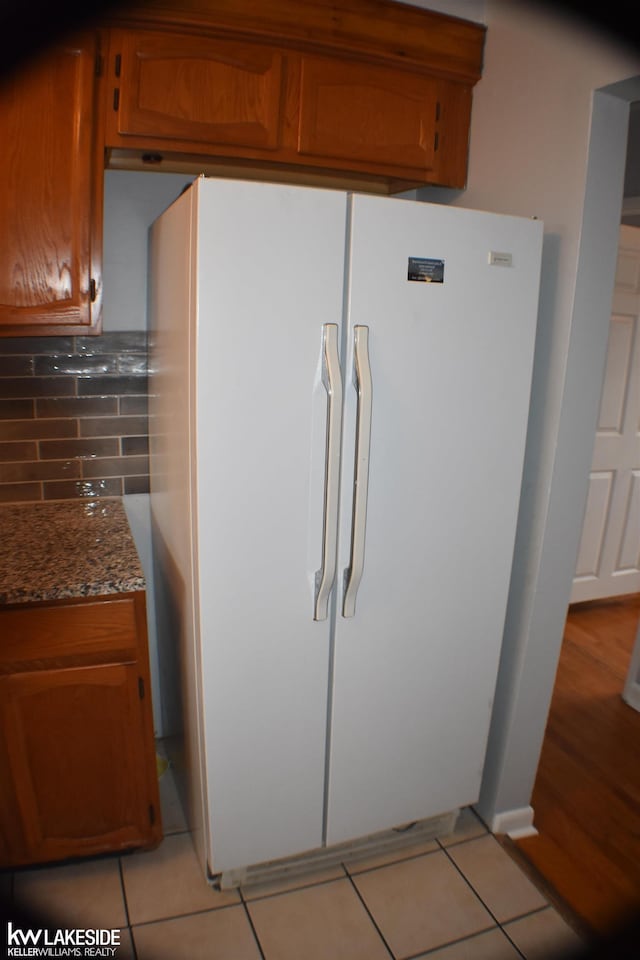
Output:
[[609, 554], [415, 666]]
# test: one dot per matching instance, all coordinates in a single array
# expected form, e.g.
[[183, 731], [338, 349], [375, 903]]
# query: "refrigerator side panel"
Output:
[[270, 276], [450, 300], [172, 330]]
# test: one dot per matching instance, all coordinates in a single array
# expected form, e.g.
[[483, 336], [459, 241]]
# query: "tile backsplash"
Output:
[[73, 416]]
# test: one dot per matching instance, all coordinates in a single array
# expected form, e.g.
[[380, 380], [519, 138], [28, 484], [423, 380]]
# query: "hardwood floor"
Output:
[[587, 792]]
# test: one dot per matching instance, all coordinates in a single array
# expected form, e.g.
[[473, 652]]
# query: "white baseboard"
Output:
[[515, 823]]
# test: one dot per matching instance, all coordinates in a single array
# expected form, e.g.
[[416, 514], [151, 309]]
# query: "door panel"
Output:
[[271, 264], [79, 785], [629, 558], [197, 90], [598, 502], [415, 668], [354, 111], [47, 198], [609, 553]]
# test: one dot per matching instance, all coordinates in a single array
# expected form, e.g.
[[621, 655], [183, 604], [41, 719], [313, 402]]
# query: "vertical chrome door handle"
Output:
[[364, 385], [332, 381]]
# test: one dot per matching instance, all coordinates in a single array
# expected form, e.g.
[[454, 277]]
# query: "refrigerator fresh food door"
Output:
[[449, 297], [267, 405]]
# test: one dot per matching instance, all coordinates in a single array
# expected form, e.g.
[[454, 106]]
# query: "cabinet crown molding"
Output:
[[384, 30]]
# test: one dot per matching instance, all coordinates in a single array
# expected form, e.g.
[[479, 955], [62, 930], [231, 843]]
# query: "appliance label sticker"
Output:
[[425, 270]]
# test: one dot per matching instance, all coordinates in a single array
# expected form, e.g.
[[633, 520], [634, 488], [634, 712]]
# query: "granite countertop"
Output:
[[71, 548]]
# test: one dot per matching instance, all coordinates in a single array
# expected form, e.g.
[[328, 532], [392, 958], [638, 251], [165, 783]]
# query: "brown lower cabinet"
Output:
[[77, 757]]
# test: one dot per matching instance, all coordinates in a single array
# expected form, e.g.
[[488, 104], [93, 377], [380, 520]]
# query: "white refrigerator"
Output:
[[340, 401]]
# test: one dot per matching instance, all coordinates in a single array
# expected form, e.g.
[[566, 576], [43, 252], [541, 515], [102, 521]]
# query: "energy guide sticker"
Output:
[[425, 270]]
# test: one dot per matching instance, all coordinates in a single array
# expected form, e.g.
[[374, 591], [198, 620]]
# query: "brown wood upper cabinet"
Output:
[[368, 94], [50, 194], [369, 91], [193, 94], [375, 116]]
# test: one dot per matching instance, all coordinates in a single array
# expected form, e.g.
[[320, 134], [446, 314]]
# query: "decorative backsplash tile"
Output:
[[73, 416]]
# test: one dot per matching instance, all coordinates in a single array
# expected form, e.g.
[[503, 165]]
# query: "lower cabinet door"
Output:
[[81, 771]]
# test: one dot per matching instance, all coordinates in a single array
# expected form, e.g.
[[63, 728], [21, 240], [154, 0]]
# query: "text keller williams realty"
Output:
[[61, 943]]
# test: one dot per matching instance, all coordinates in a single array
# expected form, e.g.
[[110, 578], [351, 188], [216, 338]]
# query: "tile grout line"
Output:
[[307, 881], [353, 870], [511, 940], [245, 906], [555, 900], [487, 908], [369, 914], [451, 943], [461, 842], [183, 916], [279, 893], [126, 909], [550, 903]]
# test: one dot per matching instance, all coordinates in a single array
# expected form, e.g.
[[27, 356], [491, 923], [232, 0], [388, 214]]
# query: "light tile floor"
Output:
[[459, 898]]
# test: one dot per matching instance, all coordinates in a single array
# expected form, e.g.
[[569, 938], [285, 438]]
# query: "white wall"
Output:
[[466, 9], [132, 201], [542, 145]]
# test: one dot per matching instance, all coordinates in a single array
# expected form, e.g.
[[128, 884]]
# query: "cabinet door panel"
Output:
[[381, 117], [78, 761], [46, 191], [198, 90]]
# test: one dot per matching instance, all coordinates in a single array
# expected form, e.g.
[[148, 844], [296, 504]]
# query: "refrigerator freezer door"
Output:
[[451, 339], [270, 277]]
